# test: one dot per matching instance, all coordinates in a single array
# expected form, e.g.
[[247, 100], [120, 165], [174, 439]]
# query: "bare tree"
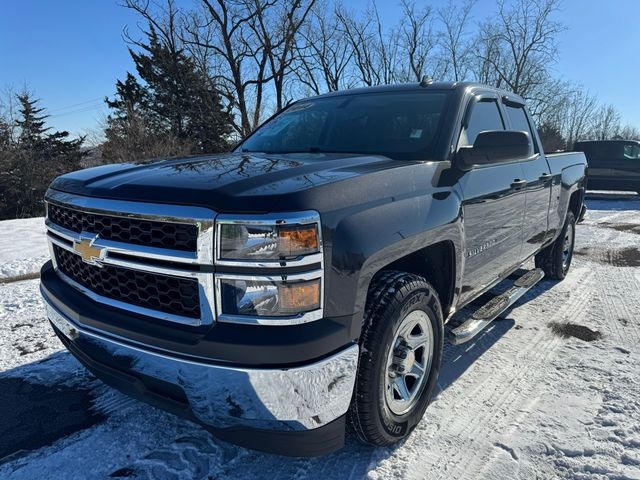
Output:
[[456, 49], [9, 114], [374, 49], [629, 132], [488, 51], [546, 101], [523, 43], [277, 37], [606, 123], [576, 115], [324, 54], [418, 41], [262, 53], [222, 31], [163, 18]]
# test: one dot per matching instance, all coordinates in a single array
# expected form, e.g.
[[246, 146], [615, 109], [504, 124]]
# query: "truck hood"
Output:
[[232, 182]]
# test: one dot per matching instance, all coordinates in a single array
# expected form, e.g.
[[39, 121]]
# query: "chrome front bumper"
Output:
[[285, 399]]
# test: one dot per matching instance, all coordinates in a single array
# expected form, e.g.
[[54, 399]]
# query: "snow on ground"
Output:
[[23, 248], [518, 402]]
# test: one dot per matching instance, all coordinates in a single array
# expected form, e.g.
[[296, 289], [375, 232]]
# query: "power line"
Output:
[[93, 100], [88, 108]]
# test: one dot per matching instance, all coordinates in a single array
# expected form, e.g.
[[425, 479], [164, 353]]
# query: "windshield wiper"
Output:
[[308, 150], [283, 152]]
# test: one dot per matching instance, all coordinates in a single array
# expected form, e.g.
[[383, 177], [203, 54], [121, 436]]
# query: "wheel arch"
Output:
[[575, 202], [436, 263]]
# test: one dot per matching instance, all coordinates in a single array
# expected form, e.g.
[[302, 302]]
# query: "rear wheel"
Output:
[[401, 351], [555, 259]]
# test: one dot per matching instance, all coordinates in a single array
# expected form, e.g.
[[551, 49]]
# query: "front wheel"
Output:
[[401, 351], [555, 259]]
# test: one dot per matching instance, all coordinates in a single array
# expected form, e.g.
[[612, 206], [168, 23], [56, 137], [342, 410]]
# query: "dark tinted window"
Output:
[[518, 120], [484, 116], [399, 125], [600, 153], [631, 151], [596, 152]]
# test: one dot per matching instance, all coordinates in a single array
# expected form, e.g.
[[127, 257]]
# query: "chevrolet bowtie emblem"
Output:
[[89, 254]]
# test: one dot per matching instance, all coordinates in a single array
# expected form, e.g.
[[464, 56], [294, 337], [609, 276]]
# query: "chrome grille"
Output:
[[174, 236], [145, 258], [173, 295]]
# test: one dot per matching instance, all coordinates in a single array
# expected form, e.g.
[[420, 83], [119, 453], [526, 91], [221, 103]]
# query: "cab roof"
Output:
[[417, 87]]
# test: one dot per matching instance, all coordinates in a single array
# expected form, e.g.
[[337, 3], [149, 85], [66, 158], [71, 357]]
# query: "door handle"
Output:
[[517, 183], [545, 177]]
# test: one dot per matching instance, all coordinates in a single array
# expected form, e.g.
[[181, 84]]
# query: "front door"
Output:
[[625, 167]]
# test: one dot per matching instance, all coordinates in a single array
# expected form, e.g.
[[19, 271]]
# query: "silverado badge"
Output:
[[89, 254]]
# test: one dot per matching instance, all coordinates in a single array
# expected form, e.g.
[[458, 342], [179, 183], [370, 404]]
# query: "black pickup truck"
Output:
[[308, 277], [613, 164]]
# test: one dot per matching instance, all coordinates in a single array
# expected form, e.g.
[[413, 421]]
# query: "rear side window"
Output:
[[596, 153], [484, 116], [632, 152], [601, 153], [518, 120]]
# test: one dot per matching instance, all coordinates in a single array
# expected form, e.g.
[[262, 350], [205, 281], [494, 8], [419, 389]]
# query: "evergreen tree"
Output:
[[176, 110], [130, 131], [5, 135], [31, 162], [31, 122]]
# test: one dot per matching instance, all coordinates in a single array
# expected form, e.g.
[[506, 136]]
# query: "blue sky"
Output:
[[71, 52]]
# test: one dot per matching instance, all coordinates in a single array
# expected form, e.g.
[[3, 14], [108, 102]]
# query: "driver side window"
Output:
[[484, 116]]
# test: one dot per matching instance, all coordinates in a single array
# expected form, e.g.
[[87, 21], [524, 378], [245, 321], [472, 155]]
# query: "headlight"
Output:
[[268, 297], [277, 238], [255, 260]]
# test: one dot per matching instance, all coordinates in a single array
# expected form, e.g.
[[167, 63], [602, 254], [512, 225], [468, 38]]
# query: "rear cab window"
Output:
[[519, 121]]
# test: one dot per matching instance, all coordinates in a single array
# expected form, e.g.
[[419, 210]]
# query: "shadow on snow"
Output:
[[48, 400]]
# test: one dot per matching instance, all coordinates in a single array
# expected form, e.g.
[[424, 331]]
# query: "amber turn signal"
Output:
[[299, 297], [298, 240]]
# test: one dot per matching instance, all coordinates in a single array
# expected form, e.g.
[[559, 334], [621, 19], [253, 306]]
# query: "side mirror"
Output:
[[495, 146]]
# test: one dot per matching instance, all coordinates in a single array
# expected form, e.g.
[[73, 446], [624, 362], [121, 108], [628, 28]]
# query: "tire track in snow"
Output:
[[492, 397], [501, 405], [618, 282], [623, 315]]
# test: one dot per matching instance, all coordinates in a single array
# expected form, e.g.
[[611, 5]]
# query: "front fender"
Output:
[[365, 241]]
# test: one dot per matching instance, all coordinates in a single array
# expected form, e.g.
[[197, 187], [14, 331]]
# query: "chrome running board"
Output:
[[487, 313]]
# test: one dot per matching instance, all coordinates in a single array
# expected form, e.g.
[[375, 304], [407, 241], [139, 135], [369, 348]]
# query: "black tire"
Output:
[[555, 259], [392, 297]]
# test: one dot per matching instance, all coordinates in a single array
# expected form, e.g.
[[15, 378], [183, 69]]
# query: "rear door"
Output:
[[493, 206], [625, 166], [538, 182]]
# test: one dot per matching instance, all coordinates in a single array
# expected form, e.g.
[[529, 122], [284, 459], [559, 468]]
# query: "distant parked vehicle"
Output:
[[613, 164]]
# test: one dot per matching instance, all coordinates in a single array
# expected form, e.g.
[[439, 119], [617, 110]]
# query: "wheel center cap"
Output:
[[408, 362]]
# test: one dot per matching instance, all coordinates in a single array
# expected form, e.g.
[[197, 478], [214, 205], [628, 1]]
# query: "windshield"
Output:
[[400, 125]]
